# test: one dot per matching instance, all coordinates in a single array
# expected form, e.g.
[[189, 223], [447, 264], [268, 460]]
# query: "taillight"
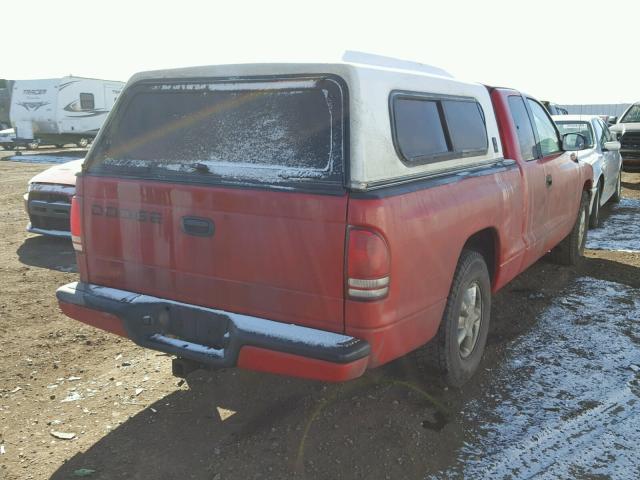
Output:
[[368, 265], [76, 224]]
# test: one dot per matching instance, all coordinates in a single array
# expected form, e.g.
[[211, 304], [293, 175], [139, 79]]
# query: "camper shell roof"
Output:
[[373, 159]]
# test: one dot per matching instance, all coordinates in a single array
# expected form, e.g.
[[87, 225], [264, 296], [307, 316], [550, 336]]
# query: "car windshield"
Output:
[[632, 115], [583, 128]]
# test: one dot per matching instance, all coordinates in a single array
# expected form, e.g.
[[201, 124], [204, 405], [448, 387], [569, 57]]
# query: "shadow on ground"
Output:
[[48, 252], [239, 424]]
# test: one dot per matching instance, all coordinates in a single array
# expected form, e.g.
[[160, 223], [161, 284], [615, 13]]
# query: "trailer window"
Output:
[[430, 128], [87, 101]]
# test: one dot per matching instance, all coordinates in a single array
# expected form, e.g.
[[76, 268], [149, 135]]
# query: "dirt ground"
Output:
[[130, 419]]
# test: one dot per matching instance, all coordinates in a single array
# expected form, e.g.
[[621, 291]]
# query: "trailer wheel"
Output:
[[570, 250], [457, 348], [83, 142]]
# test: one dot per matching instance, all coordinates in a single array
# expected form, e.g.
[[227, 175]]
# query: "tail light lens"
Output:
[[76, 224], [368, 265]]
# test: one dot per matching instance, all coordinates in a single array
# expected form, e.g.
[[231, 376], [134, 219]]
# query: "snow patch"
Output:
[[566, 404], [620, 231]]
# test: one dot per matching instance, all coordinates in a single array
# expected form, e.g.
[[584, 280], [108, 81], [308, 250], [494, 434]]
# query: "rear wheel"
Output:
[[617, 195], [458, 346], [32, 145], [594, 218], [571, 249]]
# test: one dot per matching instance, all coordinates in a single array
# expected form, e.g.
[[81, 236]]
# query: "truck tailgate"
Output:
[[276, 255]]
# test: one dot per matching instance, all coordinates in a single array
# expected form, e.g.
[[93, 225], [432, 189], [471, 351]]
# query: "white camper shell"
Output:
[[368, 87], [61, 110]]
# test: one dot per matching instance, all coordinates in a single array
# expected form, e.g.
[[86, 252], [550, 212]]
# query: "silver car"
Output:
[[602, 151]]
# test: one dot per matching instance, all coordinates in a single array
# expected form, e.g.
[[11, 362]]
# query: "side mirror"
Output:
[[574, 141], [612, 120], [613, 146]]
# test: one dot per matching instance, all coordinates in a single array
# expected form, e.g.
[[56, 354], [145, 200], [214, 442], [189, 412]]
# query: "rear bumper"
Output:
[[217, 338]]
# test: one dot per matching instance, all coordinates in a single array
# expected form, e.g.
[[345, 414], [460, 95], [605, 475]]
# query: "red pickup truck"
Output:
[[316, 220]]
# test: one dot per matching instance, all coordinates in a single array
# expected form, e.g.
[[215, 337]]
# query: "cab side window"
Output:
[[549, 142], [526, 139]]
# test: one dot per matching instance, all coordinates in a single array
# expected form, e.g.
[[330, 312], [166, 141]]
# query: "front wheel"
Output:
[[617, 195], [570, 250], [458, 346]]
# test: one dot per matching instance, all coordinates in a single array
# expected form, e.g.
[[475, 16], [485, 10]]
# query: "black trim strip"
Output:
[[434, 180]]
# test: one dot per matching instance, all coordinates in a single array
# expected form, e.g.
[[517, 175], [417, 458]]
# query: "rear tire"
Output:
[[594, 218], [457, 348], [617, 195], [570, 250]]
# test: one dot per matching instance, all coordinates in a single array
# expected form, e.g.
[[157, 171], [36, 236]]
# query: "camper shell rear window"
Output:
[[283, 132], [429, 128]]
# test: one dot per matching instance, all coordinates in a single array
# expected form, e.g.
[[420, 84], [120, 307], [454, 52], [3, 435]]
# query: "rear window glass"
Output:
[[274, 132], [430, 129]]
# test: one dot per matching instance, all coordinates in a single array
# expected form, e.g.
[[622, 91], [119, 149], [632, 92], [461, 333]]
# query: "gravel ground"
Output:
[[556, 396]]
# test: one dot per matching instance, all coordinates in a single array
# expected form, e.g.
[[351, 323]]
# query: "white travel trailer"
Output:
[[5, 102], [61, 110]]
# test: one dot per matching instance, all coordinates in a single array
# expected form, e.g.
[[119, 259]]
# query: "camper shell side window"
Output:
[[429, 128], [87, 101]]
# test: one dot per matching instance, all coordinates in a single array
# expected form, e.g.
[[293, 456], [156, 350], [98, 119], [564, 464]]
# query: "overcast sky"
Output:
[[567, 52]]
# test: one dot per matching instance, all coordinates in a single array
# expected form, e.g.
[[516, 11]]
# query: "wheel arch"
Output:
[[487, 243]]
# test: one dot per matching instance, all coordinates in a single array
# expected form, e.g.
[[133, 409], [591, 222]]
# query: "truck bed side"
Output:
[[426, 226]]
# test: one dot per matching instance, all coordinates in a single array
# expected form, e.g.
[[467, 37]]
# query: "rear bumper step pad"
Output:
[[216, 338]]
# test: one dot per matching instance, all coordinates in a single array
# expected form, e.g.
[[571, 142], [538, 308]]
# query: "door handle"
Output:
[[549, 180], [198, 226]]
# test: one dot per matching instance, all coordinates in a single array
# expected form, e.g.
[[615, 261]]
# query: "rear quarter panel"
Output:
[[426, 230]]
